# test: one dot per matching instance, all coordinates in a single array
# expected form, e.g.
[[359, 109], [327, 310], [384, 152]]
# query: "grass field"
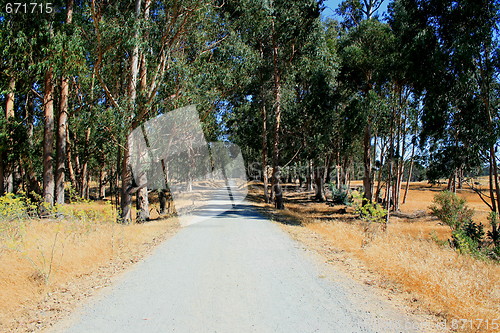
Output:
[[41, 257], [445, 283]]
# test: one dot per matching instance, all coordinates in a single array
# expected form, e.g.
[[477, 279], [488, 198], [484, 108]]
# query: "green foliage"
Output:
[[340, 196], [74, 196], [15, 209], [16, 206], [494, 234], [465, 243], [368, 211], [467, 236], [452, 210]]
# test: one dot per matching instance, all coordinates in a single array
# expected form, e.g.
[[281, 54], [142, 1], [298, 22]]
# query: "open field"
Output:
[[428, 277], [46, 266]]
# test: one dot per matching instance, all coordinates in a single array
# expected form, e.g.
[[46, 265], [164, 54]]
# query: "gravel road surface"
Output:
[[235, 272]]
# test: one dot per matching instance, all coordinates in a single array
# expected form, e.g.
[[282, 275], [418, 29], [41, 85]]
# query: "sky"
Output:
[[331, 5]]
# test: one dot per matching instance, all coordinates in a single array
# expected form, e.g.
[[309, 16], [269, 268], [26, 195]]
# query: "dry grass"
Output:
[[450, 285], [45, 254]]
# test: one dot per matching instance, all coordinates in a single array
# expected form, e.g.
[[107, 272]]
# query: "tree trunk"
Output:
[[309, 176], [71, 170], [126, 201], [409, 173], [492, 184], [5, 175], [264, 152], [61, 141], [9, 113], [278, 195], [48, 139], [162, 198], [495, 175], [84, 184], [62, 123], [102, 187], [379, 176], [319, 182], [142, 201], [126, 176], [367, 180], [30, 174]]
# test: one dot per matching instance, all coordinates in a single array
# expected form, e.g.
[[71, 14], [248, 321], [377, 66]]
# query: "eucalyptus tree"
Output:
[[29, 55], [366, 51], [278, 32], [314, 109], [452, 51], [150, 50]]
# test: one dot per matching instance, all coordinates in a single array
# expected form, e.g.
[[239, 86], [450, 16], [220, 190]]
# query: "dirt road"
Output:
[[235, 272]]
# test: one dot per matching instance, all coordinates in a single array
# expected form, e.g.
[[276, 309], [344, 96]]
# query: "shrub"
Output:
[[467, 239], [451, 209], [494, 233], [466, 235], [368, 211], [340, 196], [15, 206]]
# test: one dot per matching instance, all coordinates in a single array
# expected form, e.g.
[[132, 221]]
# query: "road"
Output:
[[235, 272]]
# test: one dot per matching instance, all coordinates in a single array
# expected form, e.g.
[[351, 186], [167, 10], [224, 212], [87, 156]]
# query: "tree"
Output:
[[277, 32], [455, 45], [366, 56], [62, 123]]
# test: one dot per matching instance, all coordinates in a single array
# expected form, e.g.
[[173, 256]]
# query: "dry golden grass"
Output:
[[447, 284], [451, 285], [421, 194], [49, 253]]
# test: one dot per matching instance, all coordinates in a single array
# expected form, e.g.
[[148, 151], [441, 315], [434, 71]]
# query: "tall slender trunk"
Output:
[[495, 175], [401, 151], [84, 183], [6, 178], [264, 152], [319, 182], [48, 138], [62, 123], [102, 183], [278, 194], [9, 101], [126, 198], [61, 141], [409, 173], [69, 159], [142, 200], [379, 175], [491, 183], [367, 163], [309, 176], [29, 169]]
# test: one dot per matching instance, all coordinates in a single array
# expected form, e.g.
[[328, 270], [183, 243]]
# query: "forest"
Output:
[[386, 98]]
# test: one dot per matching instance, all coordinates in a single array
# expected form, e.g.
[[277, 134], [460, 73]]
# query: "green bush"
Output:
[[466, 235], [340, 196], [452, 210], [16, 206], [494, 233], [468, 238], [368, 211]]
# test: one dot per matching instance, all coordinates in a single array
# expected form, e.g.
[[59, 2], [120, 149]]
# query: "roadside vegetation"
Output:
[[41, 256], [419, 255]]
